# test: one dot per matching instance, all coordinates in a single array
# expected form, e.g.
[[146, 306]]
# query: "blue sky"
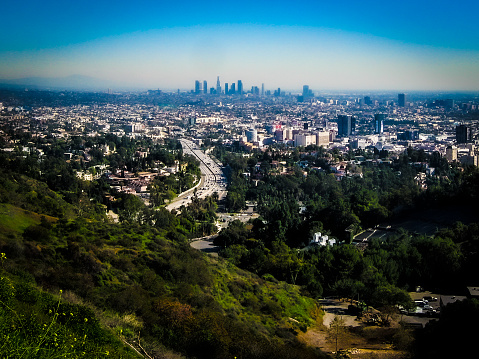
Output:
[[369, 45]]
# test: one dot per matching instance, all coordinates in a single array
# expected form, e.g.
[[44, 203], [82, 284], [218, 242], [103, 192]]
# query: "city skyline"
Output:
[[367, 46]]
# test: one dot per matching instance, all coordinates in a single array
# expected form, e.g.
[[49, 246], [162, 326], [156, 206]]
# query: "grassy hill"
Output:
[[136, 284], [15, 220]]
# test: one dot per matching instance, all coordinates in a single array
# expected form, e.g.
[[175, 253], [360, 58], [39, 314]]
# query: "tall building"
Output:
[[367, 100], [262, 89], [205, 87], [240, 87], [218, 86], [463, 134], [345, 125], [304, 139], [197, 87], [233, 89], [252, 135], [305, 91], [451, 153], [226, 88], [401, 100], [322, 138], [379, 122]]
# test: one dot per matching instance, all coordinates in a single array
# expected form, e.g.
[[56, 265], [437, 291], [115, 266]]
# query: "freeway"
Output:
[[212, 177]]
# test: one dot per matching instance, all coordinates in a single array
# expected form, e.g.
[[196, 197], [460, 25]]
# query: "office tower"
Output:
[[233, 89], [463, 134], [451, 153], [277, 93], [226, 88], [218, 86], [322, 138], [205, 87], [197, 87], [401, 100], [252, 135], [367, 100], [279, 135], [379, 122], [345, 125], [305, 91], [262, 89], [409, 135], [240, 87]]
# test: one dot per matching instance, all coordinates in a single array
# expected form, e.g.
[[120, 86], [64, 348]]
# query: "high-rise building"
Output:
[[262, 89], [345, 125], [226, 88], [252, 135], [305, 91], [379, 122], [409, 135], [233, 88], [451, 153], [463, 134], [367, 100], [197, 87], [304, 139], [205, 87], [218, 86], [401, 100], [240, 87], [322, 138]]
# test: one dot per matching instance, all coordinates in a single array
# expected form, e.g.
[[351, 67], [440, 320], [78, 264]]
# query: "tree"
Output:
[[337, 333], [388, 297], [131, 207]]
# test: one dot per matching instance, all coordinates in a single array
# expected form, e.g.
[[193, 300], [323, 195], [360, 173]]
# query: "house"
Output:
[[448, 299], [320, 240], [473, 292]]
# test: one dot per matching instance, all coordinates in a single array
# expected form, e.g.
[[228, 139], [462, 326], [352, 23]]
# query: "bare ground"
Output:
[[360, 341]]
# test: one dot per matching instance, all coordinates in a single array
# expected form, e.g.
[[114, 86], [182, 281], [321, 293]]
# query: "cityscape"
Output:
[[258, 179], [254, 180]]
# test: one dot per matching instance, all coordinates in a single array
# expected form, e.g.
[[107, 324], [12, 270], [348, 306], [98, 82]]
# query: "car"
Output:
[[430, 298], [421, 303]]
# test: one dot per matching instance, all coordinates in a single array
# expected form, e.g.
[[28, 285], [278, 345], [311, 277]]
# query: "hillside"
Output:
[[138, 282]]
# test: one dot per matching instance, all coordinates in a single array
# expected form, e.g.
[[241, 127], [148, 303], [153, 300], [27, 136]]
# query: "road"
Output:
[[212, 177]]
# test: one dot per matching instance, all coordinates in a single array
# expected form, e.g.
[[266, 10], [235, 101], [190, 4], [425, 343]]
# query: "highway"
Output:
[[212, 177]]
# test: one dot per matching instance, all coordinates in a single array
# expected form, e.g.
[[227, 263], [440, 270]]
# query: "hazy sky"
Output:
[[392, 45]]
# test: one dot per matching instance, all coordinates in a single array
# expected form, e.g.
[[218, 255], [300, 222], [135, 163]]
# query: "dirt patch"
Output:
[[358, 340], [357, 344]]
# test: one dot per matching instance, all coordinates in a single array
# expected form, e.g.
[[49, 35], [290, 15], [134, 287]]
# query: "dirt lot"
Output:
[[359, 340]]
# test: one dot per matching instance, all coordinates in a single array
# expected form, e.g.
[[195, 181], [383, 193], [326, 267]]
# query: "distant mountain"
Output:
[[73, 82]]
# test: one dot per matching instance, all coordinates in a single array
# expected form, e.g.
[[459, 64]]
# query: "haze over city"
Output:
[[369, 45]]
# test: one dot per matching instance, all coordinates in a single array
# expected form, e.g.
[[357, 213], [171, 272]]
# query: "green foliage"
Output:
[[35, 324]]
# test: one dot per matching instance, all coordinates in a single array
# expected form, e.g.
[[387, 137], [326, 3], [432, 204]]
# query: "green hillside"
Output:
[[16, 220], [139, 284]]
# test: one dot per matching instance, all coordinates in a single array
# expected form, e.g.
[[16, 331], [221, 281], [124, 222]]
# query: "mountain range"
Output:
[[73, 82]]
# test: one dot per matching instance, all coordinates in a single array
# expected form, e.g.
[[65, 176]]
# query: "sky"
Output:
[[342, 45]]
